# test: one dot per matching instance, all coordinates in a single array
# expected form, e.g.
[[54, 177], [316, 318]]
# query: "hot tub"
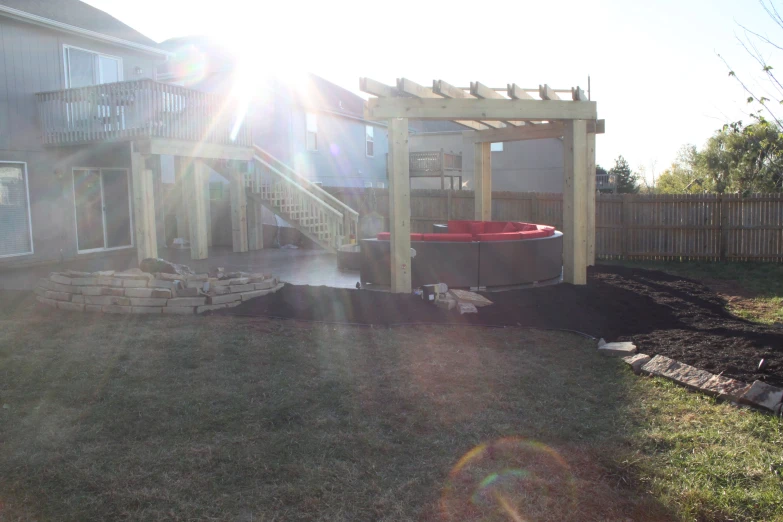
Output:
[[472, 254]]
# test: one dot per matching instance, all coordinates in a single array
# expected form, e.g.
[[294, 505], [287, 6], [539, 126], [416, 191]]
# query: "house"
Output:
[[517, 166], [307, 122], [83, 125]]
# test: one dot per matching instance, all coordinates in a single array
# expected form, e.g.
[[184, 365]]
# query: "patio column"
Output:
[[143, 207], [591, 199], [575, 202], [238, 207], [194, 182], [399, 206], [255, 225], [482, 174]]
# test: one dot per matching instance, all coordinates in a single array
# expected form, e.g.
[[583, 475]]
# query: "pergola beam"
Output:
[[447, 90], [547, 93], [515, 92], [406, 86], [577, 94], [542, 131], [375, 88], [479, 90], [477, 109]]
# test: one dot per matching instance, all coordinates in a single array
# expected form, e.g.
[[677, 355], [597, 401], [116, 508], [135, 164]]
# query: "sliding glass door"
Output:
[[102, 204]]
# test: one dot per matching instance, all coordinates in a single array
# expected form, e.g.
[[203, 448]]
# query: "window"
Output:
[[312, 132], [16, 236], [496, 147], [370, 144], [368, 184], [216, 191], [84, 68]]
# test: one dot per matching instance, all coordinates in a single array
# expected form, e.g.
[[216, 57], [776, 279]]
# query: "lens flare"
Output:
[[510, 479]]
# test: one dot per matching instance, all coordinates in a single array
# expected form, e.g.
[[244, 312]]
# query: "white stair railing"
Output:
[[288, 197]]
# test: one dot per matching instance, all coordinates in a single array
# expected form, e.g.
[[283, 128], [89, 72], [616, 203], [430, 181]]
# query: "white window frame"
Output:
[[369, 137], [103, 212], [496, 146], [67, 64], [314, 116], [29, 212]]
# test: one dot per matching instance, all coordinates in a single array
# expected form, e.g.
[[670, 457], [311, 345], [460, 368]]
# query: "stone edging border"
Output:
[[137, 292], [759, 394]]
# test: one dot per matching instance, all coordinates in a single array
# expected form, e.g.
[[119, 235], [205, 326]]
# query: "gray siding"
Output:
[[522, 166], [341, 159]]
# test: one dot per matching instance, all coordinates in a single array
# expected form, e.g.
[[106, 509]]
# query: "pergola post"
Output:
[[575, 202], [143, 207], [238, 208], [482, 173], [194, 178], [591, 195], [399, 206], [255, 225]]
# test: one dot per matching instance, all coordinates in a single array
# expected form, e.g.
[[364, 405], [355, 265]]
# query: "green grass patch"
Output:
[[150, 418]]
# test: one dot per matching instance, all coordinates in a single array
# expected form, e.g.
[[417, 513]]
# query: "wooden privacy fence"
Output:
[[628, 226]]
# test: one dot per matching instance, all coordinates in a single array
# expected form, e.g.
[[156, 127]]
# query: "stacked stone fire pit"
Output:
[[138, 292]]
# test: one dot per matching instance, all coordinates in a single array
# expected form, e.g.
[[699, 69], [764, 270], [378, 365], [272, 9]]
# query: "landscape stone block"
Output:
[[134, 283], [148, 301], [109, 281], [57, 296], [636, 361], [116, 309], [58, 287], [681, 373], [179, 310], [725, 387], [84, 281], [76, 273], [241, 288], [73, 307], [110, 290], [59, 278], [186, 301], [222, 299], [169, 277], [763, 395], [265, 285], [207, 308], [148, 292], [187, 292], [146, 310], [197, 277], [47, 302], [93, 308], [162, 283], [79, 299], [106, 300], [620, 349]]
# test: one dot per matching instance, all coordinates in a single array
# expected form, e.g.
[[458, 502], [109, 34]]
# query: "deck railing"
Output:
[[605, 182], [434, 161], [139, 109]]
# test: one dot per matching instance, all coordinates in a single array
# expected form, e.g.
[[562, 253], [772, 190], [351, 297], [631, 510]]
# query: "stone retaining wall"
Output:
[[137, 292]]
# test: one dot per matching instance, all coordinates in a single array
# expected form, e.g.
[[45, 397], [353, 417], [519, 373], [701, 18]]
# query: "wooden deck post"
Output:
[[591, 195], [179, 201], [399, 205], [575, 202], [482, 174], [255, 225], [143, 208], [194, 178], [238, 208]]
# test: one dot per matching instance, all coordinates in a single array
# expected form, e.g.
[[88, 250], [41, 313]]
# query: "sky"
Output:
[[654, 66]]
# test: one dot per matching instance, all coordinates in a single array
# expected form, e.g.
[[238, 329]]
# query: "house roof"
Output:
[[79, 15]]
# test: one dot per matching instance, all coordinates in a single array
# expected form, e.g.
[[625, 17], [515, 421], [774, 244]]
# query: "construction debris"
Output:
[[465, 296]]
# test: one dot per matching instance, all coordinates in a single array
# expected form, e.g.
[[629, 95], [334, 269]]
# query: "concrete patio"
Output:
[[295, 266]]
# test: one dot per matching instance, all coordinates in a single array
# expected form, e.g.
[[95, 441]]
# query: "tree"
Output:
[[627, 181], [686, 175]]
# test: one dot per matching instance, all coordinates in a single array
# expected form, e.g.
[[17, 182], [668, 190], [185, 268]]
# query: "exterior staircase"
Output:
[[317, 214]]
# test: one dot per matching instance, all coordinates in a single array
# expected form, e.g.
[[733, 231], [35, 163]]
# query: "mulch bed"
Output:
[[661, 313]]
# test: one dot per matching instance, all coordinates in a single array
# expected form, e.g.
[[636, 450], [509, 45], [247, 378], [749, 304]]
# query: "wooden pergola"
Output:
[[492, 116]]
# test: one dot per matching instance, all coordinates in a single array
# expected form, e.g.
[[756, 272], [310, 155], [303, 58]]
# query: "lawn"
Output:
[[753, 291], [227, 418]]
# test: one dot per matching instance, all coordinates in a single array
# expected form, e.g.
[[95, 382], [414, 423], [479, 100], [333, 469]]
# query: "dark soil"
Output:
[[661, 313]]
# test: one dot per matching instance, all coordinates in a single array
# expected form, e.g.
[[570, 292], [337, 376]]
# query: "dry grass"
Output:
[[236, 419]]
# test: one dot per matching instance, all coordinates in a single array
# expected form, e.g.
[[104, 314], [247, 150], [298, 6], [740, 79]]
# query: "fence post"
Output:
[[724, 229], [627, 218], [448, 205]]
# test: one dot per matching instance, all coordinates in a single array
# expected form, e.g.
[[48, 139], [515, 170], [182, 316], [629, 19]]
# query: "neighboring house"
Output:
[[81, 118], [517, 166], [309, 123]]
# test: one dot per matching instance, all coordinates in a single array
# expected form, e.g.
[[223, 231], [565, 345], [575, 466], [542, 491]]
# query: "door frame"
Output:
[[103, 211]]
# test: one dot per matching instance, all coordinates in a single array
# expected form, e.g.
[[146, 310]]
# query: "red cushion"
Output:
[[416, 236], [476, 228], [532, 234], [494, 227], [500, 236], [459, 227], [524, 227], [462, 238], [510, 227]]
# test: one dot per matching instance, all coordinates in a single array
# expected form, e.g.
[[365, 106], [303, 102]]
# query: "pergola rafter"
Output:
[[493, 118]]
